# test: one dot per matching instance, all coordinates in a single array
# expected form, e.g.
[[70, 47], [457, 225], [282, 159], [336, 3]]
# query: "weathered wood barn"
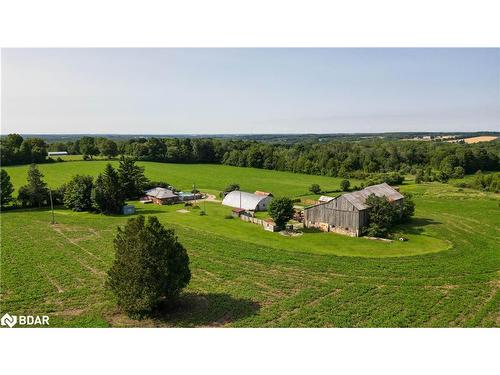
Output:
[[348, 213]]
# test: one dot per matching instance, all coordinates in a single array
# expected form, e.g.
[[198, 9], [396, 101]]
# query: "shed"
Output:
[[247, 201], [161, 195], [348, 213], [128, 209]]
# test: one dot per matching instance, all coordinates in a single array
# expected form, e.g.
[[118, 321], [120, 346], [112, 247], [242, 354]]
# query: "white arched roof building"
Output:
[[248, 201]]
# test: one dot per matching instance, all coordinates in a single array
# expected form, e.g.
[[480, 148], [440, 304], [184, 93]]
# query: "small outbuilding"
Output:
[[128, 209], [160, 195], [348, 213], [248, 201]]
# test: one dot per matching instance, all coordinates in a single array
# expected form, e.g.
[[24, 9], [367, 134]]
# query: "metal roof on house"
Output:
[[358, 198], [160, 193], [242, 199]]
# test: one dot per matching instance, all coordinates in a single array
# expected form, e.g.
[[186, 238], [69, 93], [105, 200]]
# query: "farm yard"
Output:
[[447, 274]]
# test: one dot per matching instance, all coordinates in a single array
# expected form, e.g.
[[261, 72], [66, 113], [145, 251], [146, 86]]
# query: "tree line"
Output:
[[349, 159], [106, 194]]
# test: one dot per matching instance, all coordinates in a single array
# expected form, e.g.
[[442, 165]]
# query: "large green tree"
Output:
[[6, 188], [108, 196], [151, 266], [281, 210], [132, 178], [78, 193], [35, 193]]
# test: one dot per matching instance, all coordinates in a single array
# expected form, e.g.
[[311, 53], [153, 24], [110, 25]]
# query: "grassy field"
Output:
[[244, 276], [182, 176]]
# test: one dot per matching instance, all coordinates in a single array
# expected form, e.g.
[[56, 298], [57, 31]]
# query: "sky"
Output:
[[248, 91]]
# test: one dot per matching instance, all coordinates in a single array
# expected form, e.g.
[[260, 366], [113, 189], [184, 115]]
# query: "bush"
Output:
[[345, 185], [228, 217], [202, 213], [315, 189], [150, 268]]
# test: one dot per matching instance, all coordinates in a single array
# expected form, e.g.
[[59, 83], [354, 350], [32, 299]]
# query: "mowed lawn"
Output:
[[212, 177], [243, 276]]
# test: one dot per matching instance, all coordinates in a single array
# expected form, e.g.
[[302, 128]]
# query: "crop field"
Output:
[[446, 275]]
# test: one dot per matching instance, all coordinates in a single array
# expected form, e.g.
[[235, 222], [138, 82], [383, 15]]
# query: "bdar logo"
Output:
[[8, 320]]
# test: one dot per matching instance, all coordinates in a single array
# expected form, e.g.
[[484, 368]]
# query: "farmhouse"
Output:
[[258, 201], [348, 213], [160, 195]]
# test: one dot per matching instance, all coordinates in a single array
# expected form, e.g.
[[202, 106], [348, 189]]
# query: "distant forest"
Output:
[[356, 158]]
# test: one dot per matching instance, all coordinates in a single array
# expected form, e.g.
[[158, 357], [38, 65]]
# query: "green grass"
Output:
[[243, 276], [182, 176]]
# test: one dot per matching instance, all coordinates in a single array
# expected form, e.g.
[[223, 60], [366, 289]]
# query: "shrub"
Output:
[[228, 217], [315, 189], [345, 185], [151, 267]]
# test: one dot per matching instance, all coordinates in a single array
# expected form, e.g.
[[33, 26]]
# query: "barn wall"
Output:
[[338, 215]]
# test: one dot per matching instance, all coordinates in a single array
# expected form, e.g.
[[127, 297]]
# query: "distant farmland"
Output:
[[246, 277]]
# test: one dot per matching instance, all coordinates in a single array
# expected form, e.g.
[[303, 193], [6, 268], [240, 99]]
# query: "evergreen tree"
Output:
[[132, 178], [150, 267], [6, 189], [108, 196], [35, 193]]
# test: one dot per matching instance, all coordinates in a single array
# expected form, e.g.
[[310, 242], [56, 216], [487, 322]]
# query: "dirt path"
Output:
[[211, 198]]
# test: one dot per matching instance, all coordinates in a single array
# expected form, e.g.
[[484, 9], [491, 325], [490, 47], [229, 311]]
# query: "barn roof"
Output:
[[358, 198], [160, 193], [242, 199]]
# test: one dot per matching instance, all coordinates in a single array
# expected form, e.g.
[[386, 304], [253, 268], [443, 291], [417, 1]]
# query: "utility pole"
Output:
[[52, 207]]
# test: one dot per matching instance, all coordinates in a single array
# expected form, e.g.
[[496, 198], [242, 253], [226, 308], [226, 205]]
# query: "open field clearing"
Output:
[[484, 138], [182, 176], [243, 276]]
